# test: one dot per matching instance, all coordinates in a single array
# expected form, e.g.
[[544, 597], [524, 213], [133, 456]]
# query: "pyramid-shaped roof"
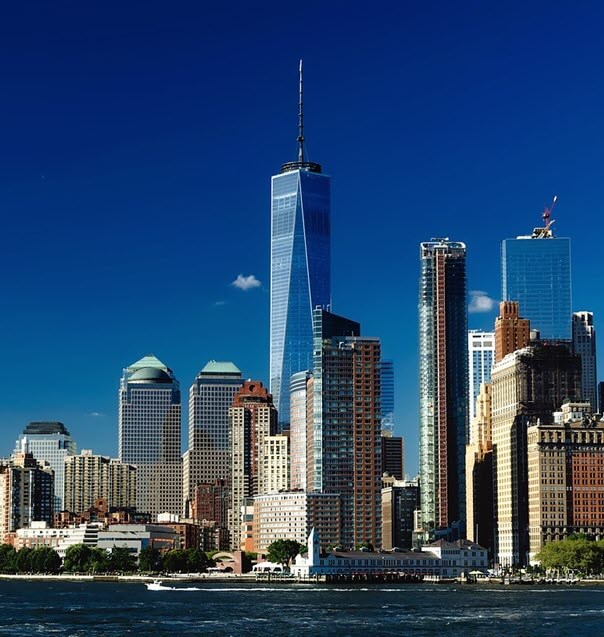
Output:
[[149, 361], [220, 367]]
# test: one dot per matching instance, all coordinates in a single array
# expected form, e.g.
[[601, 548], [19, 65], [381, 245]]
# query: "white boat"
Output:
[[156, 585]]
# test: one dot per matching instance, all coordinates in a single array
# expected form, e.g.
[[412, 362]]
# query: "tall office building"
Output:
[[479, 473], [89, 477], [400, 500], [443, 382], [584, 344], [481, 356], [536, 272], [387, 398], [253, 418], [26, 492], [511, 331], [346, 425], [528, 386], [208, 457], [149, 434], [393, 456], [298, 431], [49, 441], [300, 267]]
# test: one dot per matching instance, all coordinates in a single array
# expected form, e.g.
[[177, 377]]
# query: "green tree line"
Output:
[[577, 553], [81, 558]]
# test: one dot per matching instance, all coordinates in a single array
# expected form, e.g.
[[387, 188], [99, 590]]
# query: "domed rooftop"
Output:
[[150, 375]]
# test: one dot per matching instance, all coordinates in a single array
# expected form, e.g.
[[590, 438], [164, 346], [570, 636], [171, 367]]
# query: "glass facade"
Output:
[[443, 382], [300, 273], [481, 356], [536, 272], [387, 397]]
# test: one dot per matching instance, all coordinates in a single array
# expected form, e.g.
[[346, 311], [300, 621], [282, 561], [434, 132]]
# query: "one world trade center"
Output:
[[300, 266]]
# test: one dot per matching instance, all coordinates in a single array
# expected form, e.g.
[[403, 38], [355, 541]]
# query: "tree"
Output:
[[175, 561], [283, 551], [24, 560], [122, 560], [77, 558], [7, 558], [45, 560], [99, 560], [197, 560], [149, 560], [52, 564], [576, 553]]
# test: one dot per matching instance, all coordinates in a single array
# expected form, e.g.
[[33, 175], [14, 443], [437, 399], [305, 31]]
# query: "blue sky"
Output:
[[138, 140]]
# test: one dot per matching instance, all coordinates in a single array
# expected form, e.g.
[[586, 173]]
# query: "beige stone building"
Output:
[[274, 465], [89, 477], [565, 477]]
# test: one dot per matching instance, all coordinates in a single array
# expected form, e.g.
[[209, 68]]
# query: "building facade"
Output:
[[298, 431], [387, 382], [511, 331], [393, 456], [253, 419], [481, 356], [584, 344], [399, 503], [26, 493], [292, 515], [536, 273], [443, 384], [50, 442], [346, 425], [527, 386], [300, 268], [565, 477], [150, 434], [208, 457], [89, 477]]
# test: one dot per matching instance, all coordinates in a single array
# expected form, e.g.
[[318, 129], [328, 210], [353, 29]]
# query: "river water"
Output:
[[223, 609]]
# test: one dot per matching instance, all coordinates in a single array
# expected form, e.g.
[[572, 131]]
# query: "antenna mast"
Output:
[[300, 119]]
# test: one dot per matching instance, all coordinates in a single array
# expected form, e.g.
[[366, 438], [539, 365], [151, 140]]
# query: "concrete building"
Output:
[[565, 477], [300, 267], [60, 539], [210, 502], [149, 434], [346, 428], [26, 492], [479, 473], [136, 537], [527, 385], [298, 429], [481, 356], [443, 386], [49, 441], [399, 503], [511, 331], [584, 344], [253, 418], [292, 515], [208, 457], [274, 464], [89, 477]]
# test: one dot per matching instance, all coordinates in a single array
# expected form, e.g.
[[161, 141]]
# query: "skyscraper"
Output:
[[511, 331], [346, 425], [387, 398], [584, 344], [50, 442], [528, 386], [536, 272], [253, 419], [443, 383], [300, 266], [149, 434], [298, 432], [481, 356], [208, 457]]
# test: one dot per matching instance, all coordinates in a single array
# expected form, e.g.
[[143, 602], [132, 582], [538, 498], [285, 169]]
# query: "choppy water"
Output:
[[103, 609]]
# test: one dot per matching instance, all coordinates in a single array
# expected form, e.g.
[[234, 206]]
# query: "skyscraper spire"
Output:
[[300, 118]]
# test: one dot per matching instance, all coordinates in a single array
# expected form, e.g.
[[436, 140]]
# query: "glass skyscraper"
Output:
[[536, 272], [481, 356], [443, 383], [300, 268]]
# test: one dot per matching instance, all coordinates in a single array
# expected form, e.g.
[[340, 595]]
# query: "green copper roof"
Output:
[[220, 367], [149, 361], [150, 375]]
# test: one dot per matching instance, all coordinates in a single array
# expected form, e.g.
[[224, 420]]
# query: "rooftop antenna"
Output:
[[300, 119]]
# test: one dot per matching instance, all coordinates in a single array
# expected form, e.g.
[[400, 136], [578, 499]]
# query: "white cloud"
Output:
[[246, 282], [218, 303], [96, 414], [480, 302]]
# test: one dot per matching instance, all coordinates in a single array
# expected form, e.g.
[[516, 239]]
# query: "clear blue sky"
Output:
[[137, 144]]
